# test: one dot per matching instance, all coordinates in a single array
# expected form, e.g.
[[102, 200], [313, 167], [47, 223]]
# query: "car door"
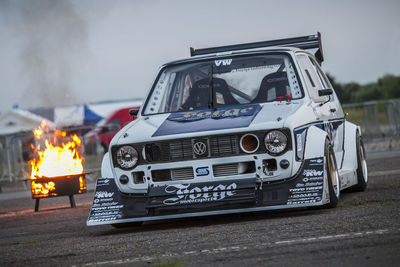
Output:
[[327, 109]]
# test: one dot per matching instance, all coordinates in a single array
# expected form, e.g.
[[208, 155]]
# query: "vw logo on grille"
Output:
[[199, 148]]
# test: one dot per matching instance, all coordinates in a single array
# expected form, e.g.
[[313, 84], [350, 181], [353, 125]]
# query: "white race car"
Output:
[[232, 129]]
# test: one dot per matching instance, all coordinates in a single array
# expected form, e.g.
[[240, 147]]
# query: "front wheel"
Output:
[[332, 176]]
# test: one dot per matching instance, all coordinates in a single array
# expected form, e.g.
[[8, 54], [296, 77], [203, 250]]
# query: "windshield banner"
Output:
[[209, 119]]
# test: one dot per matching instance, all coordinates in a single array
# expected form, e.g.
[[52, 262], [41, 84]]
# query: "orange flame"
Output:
[[59, 156]]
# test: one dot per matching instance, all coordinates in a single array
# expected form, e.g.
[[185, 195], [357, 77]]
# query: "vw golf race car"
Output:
[[232, 129]]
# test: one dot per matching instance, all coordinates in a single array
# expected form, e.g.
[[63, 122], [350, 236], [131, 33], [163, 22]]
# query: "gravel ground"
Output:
[[363, 230]]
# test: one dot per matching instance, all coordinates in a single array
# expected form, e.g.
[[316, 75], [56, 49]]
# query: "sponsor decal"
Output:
[[318, 161], [223, 62], [107, 204], [312, 179], [208, 119], [278, 79], [280, 104], [202, 171], [312, 173], [104, 194], [103, 182], [219, 113], [183, 194], [311, 188]]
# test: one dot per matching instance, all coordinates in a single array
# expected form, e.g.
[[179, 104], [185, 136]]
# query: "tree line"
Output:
[[386, 87]]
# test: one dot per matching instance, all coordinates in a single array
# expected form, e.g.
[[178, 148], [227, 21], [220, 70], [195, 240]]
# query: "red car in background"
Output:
[[106, 129]]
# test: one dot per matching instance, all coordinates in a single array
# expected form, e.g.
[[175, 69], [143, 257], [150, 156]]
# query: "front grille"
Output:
[[172, 174], [182, 174], [224, 145], [179, 149], [231, 169], [225, 170], [182, 149]]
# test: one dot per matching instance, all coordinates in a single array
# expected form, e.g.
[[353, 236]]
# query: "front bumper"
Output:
[[307, 188]]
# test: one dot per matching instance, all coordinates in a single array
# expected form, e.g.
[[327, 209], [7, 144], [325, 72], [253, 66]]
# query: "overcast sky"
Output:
[[66, 52]]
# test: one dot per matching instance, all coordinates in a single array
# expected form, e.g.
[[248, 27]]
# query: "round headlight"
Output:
[[127, 157], [275, 142]]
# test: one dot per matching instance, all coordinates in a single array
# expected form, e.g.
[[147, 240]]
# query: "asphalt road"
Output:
[[364, 230]]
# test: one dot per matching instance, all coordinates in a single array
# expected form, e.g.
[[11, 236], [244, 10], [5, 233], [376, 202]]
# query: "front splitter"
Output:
[[187, 200]]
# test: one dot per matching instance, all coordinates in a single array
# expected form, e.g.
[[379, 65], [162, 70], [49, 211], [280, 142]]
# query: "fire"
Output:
[[42, 189], [56, 154]]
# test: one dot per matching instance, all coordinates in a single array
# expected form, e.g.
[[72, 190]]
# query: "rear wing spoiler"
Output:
[[302, 42]]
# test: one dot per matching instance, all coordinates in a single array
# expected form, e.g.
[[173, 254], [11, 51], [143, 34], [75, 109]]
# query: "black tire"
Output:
[[332, 176], [362, 174], [126, 225]]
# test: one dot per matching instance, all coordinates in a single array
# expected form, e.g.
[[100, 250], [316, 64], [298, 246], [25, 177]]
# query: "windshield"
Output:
[[224, 82]]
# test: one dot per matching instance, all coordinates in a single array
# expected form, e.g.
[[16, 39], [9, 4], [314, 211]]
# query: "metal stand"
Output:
[[72, 201], [37, 205]]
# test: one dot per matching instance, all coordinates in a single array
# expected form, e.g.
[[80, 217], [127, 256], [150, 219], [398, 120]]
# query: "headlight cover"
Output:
[[275, 142], [249, 143], [127, 157]]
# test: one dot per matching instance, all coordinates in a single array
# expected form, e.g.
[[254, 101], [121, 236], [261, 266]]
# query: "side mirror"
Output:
[[133, 112], [324, 92]]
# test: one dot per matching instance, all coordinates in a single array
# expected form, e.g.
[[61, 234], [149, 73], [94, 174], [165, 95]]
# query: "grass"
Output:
[[341, 224], [25, 242], [358, 115], [355, 115]]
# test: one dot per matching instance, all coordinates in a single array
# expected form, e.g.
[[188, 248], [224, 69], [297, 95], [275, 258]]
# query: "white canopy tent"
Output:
[[82, 114], [15, 121]]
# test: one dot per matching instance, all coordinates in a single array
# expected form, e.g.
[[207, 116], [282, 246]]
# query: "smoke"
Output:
[[52, 38]]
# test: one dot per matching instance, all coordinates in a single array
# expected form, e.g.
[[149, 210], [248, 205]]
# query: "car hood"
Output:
[[201, 122]]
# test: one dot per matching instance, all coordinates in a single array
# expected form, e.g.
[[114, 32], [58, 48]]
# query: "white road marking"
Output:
[[382, 173], [327, 237], [243, 248]]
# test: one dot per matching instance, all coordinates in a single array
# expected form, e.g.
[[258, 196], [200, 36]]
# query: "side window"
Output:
[[325, 80], [313, 81], [321, 74]]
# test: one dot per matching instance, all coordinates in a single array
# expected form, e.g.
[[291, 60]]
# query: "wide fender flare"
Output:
[[350, 146], [315, 143], [315, 148], [106, 168]]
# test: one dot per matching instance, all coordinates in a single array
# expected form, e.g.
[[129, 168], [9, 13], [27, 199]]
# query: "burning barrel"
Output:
[[56, 169]]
